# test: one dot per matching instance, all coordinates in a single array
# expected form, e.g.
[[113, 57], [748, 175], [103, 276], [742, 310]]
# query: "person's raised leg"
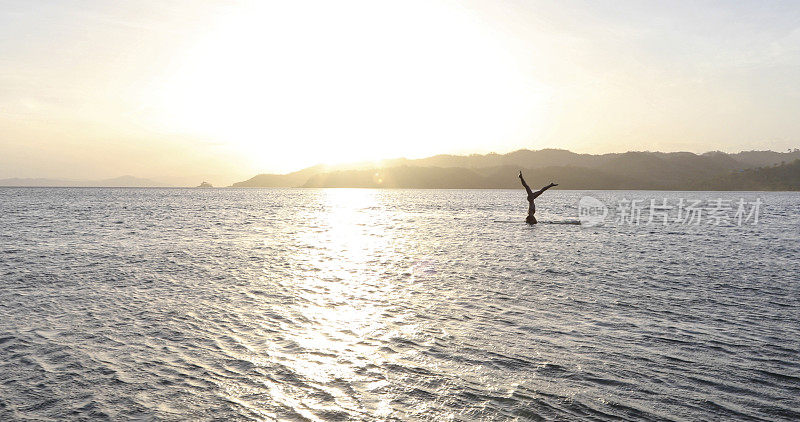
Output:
[[527, 188]]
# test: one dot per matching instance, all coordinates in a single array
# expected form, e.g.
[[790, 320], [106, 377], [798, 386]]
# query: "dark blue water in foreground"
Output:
[[169, 304]]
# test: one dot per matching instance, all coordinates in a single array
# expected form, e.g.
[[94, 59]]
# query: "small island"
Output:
[[205, 185]]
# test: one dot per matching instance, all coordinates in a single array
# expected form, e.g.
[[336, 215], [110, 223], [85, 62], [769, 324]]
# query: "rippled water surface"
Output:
[[226, 304]]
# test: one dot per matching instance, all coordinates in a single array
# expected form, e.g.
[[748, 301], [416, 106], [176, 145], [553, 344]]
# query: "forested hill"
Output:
[[780, 177], [752, 170]]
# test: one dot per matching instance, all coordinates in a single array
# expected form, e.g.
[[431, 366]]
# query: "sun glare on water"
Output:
[[313, 82]]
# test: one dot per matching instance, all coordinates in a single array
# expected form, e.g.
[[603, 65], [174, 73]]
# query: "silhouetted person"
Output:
[[530, 219]]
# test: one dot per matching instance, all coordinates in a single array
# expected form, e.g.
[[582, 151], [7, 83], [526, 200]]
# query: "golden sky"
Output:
[[223, 90]]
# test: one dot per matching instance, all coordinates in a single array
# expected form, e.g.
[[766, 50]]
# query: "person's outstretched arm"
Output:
[[539, 192], [527, 188]]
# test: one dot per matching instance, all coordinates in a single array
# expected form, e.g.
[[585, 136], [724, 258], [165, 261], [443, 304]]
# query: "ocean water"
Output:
[[292, 304]]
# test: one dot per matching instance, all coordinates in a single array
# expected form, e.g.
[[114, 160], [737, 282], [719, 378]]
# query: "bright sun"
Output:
[[291, 84]]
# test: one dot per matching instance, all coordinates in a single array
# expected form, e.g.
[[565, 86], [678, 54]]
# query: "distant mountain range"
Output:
[[121, 182], [747, 170]]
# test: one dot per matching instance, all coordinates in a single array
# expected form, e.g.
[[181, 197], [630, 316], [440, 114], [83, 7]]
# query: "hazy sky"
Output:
[[227, 89]]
